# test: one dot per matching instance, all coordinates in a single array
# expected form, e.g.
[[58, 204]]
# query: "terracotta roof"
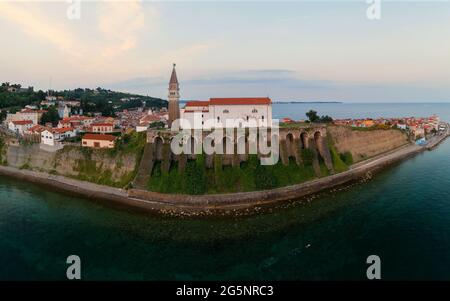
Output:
[[241, 101], [102, 124], [99, 137], [38, 128], [22, 122], [197, 103], [62, 130]]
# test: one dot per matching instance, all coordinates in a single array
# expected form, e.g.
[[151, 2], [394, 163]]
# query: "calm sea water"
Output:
[[402, 215]]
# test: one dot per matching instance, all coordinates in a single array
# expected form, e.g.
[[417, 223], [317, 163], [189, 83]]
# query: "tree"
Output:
[[51, 116], [3, 115], [326, 119], [312, 116]]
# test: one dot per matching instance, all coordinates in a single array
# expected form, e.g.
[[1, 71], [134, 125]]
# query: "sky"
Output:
[[289, 51]]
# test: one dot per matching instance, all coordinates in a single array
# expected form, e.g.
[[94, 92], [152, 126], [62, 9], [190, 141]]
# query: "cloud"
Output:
[[37, 25], [120, 25]]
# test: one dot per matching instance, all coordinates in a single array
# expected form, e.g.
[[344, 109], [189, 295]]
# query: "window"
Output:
[[218, 119], [226, 111], [247, 118], [254, 111], [262, 117]]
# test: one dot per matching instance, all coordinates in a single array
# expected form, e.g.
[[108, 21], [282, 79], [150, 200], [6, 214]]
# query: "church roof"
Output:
[[241, 101], [230, 101], [173, 77], [197, 103]]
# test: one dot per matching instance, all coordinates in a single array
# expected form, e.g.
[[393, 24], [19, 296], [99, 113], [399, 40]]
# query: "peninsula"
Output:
[[216, 156]]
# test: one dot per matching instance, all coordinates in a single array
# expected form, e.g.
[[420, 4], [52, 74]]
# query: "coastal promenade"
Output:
[[218, 204]]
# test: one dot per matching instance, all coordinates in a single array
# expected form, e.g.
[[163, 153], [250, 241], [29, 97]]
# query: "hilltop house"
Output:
[[102, 128], [26, 114], [98, 141], [20, 126], [55, 135]]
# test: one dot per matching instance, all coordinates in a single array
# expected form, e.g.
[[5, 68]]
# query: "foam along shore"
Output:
[[221, 204]]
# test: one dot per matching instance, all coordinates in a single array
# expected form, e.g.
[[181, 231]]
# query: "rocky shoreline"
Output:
[[220, 204]]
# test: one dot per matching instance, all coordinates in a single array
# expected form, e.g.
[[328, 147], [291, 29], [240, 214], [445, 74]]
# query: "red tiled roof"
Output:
[[197, 103], [38, 128], [241, 101], [99, 137], [103, 124], [22, 122], [62, 130]]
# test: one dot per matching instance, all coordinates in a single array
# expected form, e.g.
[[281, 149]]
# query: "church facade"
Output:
[[227, 113], [218, 112]]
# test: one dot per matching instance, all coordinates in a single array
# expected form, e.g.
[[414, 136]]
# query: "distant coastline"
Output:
[[303, 102]]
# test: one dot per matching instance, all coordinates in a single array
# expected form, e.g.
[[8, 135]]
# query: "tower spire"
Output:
[[173, 77], [174, 97]]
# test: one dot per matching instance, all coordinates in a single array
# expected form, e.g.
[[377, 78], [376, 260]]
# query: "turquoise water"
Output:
[[402, 215]]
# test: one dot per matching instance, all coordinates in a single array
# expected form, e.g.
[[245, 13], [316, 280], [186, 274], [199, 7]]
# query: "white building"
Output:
[[56, 135], [63, 111], [26, 114], [227, 112], [20, 126]]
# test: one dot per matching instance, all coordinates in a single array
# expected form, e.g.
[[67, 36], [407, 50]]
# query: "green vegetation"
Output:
[[313, 117], [107, 101], [249, 176], [2, 151], [307, 156], [51, 116], [100, 100], [17, 100], [157, 125], [347, 158], [373, 128], [338, 163]]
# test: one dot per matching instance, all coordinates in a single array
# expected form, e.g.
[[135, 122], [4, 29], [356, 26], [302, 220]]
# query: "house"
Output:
[[20, 126], [98, 141], [36, 129], [26, 114], [102, 128], [56, 135], [227, 112]]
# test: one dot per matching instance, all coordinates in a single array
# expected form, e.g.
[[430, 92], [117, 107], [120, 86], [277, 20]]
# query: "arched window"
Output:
[[218, 119]]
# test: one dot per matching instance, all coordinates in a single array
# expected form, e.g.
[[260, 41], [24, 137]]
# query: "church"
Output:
[[218, 112]]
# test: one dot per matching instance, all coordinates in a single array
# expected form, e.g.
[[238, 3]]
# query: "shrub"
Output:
[[264, 177], [307, 156], [347, 158], [195, 176]]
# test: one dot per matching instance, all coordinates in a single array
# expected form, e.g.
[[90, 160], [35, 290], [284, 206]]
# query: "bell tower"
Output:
[[174, 97]]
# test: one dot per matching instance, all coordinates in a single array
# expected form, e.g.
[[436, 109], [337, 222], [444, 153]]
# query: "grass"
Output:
[[228, 179]]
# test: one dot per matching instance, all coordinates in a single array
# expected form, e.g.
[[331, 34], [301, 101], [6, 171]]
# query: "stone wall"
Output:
[[88, 164], [364, 144]]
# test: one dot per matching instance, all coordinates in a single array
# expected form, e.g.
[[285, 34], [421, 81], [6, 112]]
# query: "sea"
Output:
[[402, 216]]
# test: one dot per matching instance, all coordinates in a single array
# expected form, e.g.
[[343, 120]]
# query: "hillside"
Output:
[[92, 100]]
